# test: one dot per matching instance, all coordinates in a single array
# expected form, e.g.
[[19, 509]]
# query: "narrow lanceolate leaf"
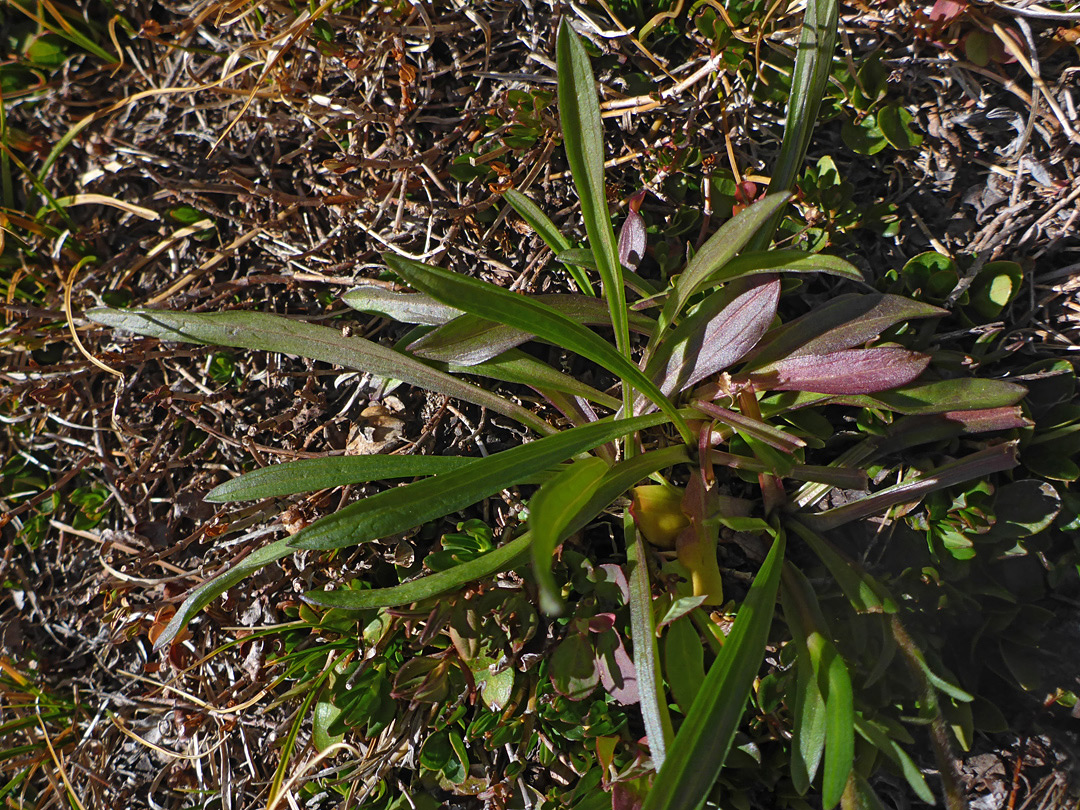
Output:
[[614, 483], [403, 508], [697, 755], [715, 337], [942, 396], [583, 140], [273, 333], [813, 62], [436, 584], [714, 255], [546, 230], [839, 727], [405, 307], [213, 588], [551, 510], [850, 371], [311, 474], [890, 748], [496, 304], [654, 710], [843, 323], [864, 592], [514, 366], [469, 339], [978, 465], [755, 262]]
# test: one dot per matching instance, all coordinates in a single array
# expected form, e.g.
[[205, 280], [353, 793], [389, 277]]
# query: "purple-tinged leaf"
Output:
[[763, 431], [988, 420], [617, 673], [632, 240], [850, 371], [715, 337], [572, 668], [843, 323], [468, 340], [978, 465], [405, 307]]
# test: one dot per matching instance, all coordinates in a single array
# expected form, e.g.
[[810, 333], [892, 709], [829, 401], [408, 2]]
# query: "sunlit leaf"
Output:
[[403, 508], [849, 371], [405, 307], [274, 333], [546, 230]]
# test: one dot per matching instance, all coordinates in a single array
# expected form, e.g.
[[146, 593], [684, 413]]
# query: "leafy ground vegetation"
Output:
[[830, 560]]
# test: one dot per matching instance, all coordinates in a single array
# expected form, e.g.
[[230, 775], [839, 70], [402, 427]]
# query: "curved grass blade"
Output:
[[273, 333], [697, 755], [311, 474], [839, 725], [496, 304], [403, 508], [865, 593], [546, 230], [890, 748], [213, 588], [551, 510], [583, 140]]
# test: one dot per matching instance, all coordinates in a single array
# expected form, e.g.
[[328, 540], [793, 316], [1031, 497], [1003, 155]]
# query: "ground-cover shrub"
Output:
[[723, 408]]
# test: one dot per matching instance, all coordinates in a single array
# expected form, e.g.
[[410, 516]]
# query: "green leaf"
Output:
[[572, 667], [650, 683], [808, 723], [426, 587], [697, 755], [895, 125], [213, 588], [713, 257], [583, 141], [403, 508], [684, 664], [864, 592], [515, 366], [890, 748], [404, 307], [273, 333], [311, 474], [546, 230], [618, 479], [813, 63], [324, 715], [496, 304], [551, 510], [754, 262], [840, 726]]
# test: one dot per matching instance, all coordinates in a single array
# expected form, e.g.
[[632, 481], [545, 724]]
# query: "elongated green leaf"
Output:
[[617, 480], [311, 474], [403, 508], [840, 726], [496, 304], [713, 256], [213, 588], [546, 230], [515, 366], [808, 724], [864, 592], [697, 755], [551, 510], [273, 333], [650, 682], [441, 582], [890, 748], [754, 262], [405, 307], [583, 141], [942, 396], [469, 339], [813, 62]]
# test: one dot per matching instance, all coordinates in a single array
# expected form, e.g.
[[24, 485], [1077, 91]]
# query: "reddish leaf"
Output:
[[988, 420], [718, 335], [843, 323], [617, 673], [632, 240], [851, 371]]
